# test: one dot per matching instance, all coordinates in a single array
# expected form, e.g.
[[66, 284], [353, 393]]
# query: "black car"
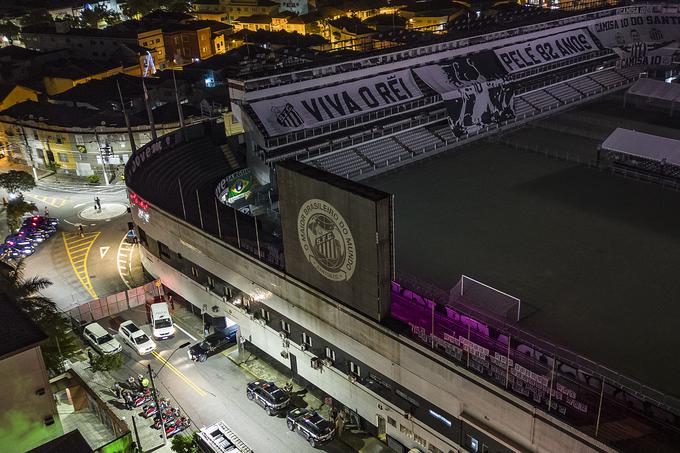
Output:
[[268, 395], [212, 344], [310, 425]]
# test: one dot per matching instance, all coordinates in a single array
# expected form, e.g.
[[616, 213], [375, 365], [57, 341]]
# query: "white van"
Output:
[[161, 322]]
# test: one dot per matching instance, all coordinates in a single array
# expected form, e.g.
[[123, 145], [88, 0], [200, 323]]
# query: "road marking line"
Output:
[[185, 332], [55, 202], [75, 259], [125, 259], [102, 251], [181, 375]]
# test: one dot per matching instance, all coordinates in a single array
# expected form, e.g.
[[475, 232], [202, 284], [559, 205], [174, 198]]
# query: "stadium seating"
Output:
[[383, 151], [563, 92], [523, 108], [607, 78], [540, 99], [417, 139], [585, 85], [343, 163]]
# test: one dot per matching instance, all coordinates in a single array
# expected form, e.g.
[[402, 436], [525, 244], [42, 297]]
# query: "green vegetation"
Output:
[[98, 15], [138, 8], [36, 16], [16, 181], [93, 179], [15, 211], [184, 443], [9, 30], [107, 362], [25, 292]]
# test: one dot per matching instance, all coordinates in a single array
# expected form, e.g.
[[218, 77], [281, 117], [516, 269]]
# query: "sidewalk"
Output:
[[67, 182], [259, 368]]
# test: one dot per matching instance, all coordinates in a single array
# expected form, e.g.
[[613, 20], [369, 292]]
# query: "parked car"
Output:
[[101, 340], [24, 245], [268, 395], [42, 227], [212, 344], [161, 321], [310, 425], [40, 220], [34, 234], [136, 338]]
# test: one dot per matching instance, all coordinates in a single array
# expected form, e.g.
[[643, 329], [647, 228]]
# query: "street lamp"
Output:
[[155, 394]]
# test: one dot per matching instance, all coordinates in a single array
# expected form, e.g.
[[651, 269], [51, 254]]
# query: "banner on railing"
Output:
[[547, 49], [624, 30], [317, 107], [645, 54], [447, 78], [478, 105]]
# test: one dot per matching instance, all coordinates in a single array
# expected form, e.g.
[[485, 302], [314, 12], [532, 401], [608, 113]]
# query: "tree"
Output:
[[137, 8], [36, 17], [16, 181], [178, 6], [15, 211], [92, 17], [183, 443], [25, 292], [110, 362], [9, 30]]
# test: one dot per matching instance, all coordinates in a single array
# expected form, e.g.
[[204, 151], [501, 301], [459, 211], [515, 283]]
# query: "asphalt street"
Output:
[[96, 264], [210, 391]]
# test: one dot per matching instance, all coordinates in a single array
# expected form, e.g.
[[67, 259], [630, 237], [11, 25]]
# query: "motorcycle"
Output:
[[170, 417], [151, 408], [143, 398], [182, 424], [139, 383]]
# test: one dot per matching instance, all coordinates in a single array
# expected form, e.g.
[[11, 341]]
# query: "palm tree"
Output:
[[26, 293]]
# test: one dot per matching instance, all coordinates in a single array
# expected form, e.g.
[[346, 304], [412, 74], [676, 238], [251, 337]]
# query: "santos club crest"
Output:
[[326, 240]]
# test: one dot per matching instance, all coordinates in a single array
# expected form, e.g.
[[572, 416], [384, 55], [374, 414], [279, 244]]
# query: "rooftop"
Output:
[[19, 332], [71, 442]]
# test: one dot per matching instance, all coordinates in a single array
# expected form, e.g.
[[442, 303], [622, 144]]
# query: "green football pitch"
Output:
[[594, 257]]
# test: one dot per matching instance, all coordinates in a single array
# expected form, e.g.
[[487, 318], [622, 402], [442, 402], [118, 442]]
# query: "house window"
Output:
[[391, 421], [330, 354], [194, 272], [211, 282], [306, 339], [163, 250], [35, 135], [354, 368], [59, 140], [265, 314], [404, 430], [285, 326], [434, 449], [63, 157], [419, 440], [79, 140], [471, 443]]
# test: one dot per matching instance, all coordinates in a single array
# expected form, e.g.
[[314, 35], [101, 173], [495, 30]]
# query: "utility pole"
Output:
[[101, 155], [29, 151], [127, 119], [155, 400], [179, 105], [139, 442], [149, 112]]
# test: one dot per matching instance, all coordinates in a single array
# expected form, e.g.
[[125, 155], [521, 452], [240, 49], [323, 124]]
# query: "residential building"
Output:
[[229, 11], [27, 411], [15, 94], [253, 23]]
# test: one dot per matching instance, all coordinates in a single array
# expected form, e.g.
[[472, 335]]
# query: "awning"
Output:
[[646, 146]]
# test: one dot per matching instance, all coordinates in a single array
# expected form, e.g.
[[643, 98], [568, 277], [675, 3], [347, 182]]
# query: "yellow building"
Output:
[[253, 23], [15, 94], [153, 39], [67, 77]]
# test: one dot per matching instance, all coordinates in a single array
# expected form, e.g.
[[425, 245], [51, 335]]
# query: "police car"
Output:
[[268, 395], [310, 425]]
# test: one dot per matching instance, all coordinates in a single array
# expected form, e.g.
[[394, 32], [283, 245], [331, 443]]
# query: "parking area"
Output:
[[214, 390]]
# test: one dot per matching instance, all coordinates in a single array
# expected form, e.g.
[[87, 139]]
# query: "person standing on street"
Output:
[[98, 204], [80, 230], [47, 212]]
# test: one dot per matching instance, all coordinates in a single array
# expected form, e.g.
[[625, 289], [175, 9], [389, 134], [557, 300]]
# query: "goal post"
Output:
[[490, 299]]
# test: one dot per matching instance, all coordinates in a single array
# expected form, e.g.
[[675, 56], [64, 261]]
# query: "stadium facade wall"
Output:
[[469, 404]]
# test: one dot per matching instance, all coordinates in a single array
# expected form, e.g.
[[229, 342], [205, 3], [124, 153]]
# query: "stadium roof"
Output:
[[646, 146]]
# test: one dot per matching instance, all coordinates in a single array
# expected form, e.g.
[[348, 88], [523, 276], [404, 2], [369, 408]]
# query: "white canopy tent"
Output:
[[645, 146], [655, 92]]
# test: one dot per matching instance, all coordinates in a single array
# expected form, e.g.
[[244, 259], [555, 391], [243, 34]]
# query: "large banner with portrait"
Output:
[[447, 78], [317, 107], [628, 29], [546, 49], [478, 105]]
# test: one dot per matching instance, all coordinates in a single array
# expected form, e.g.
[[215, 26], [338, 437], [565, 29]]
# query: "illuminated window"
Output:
[[330, 354], [285, 326], [265, 314], [419, 440], [306, 339], [354, 368], [63, 157]]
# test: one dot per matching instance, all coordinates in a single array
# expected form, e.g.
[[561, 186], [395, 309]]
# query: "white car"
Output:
[[101, 340], [136, 338]]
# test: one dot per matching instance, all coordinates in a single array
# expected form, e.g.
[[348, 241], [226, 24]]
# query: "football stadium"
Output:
[[469, 241]]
